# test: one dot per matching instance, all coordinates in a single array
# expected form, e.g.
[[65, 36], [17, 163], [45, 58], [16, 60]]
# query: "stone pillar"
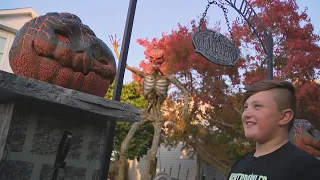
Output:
[[33, 118]]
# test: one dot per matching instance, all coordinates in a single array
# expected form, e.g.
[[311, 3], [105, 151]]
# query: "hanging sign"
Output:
[[215, 47]]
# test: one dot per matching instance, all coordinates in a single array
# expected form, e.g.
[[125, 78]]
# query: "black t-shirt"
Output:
[[286, 163]]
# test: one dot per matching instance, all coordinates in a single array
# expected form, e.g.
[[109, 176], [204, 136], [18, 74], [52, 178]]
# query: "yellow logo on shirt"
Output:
[[240, 176]]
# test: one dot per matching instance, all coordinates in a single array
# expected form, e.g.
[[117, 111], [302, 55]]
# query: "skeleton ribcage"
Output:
[[159, 86]]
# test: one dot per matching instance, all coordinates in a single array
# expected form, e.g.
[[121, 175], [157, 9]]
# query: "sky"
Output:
[[152, 17]]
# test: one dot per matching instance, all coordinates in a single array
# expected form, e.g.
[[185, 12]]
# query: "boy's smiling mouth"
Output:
[[250, 123]]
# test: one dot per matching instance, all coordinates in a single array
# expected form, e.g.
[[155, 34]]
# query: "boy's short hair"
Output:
[[285, 98]]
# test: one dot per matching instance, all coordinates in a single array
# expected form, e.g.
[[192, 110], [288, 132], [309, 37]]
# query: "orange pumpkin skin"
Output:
[[306, 137], [59, 49]]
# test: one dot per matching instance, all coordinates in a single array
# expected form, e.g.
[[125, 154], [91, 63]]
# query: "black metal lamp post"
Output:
[[108, 147]]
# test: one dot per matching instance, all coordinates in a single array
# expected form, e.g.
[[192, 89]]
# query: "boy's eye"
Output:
[[244, 108], [257, 105]]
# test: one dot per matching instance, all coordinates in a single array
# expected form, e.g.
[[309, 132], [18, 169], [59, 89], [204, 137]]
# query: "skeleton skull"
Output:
[[156, 58]]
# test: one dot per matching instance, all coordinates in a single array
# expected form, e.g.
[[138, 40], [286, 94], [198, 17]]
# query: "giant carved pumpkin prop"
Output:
[[59, 49], [304, 135]]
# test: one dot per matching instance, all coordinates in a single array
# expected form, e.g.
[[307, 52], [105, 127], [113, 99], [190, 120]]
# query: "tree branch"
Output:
[[125, 147], [135, 71], [186, 98], [126, 142], [205, 156], [191, 81], [237, 110], [221, 122]]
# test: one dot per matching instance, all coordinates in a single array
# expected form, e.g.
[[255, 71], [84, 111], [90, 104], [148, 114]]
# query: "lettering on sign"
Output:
[[215, 47]]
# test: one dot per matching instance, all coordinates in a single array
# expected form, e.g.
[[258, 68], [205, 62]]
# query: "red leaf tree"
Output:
[[212, 91], [296, 52], [214, 128]]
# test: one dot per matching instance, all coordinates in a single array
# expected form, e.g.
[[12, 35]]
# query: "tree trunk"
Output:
[[151, 163], [205, 156], [122, 173]]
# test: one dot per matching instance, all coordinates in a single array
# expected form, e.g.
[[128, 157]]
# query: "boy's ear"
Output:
[[286, 117]]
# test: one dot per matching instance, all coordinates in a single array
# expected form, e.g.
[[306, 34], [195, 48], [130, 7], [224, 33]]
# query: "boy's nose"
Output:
[[246, 114]]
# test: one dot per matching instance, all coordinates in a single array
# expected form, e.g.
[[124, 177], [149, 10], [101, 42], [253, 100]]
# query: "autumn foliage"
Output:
[[211, 87], [216, 91], [296, 52]]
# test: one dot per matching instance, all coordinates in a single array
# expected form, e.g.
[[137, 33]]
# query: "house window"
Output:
[[2, 45]]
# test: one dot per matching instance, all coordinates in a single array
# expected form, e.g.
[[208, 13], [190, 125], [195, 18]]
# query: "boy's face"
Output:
[[261, 116]]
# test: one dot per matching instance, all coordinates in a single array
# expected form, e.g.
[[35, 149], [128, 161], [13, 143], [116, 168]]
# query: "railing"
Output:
[[202, 176], [164, 170]]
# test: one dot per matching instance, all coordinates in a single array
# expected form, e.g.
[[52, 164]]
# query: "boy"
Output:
[[269, 111]]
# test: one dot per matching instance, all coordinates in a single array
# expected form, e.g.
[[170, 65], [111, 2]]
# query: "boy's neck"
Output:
[[270, 146]]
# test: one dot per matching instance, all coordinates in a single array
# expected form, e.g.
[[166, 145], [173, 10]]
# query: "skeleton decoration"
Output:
[[155, 85], [155, 89]]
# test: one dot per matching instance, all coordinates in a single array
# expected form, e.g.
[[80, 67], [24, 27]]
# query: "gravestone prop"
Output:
[[54, 124], [34, 116], [304, 135]]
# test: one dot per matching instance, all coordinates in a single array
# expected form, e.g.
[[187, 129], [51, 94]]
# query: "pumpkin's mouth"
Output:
[[79, 63], [157, 64]]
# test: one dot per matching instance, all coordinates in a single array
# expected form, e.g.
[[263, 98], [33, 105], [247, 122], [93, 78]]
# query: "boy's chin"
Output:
[[251, 137]]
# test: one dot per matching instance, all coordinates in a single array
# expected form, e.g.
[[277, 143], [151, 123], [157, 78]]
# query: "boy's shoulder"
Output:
[[289, 153], [293, 161], [302, 164], [297, 153], [301, 156]]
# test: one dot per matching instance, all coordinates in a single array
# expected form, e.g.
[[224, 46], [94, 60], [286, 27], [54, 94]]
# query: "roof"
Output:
[[19, 11], [8, 17]]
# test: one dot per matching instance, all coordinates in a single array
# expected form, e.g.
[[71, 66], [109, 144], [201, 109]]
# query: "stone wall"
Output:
[[33, 117], [34, 135]]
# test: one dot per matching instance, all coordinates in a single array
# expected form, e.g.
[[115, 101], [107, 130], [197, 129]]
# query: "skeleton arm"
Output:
[[186, 98], [115, 45]]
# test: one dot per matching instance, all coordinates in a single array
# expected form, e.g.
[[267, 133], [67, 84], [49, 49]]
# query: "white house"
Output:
[[176, 163], [11, 20]]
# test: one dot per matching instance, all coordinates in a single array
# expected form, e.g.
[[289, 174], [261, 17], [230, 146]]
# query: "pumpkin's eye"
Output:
[[62, 37]]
